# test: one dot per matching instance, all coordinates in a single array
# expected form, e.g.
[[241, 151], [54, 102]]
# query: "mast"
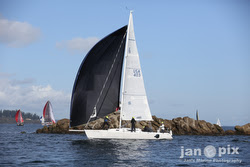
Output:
[[124, 68]]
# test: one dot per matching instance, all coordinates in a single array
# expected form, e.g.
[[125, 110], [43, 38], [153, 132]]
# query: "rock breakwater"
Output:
[[179, 126]]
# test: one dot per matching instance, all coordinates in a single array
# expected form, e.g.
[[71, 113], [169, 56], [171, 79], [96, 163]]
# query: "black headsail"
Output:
[[98, 79]]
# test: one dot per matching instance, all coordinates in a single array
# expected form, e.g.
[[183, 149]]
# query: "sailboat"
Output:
[[19, 118], [218, 122], [48, 116], [110, 77]]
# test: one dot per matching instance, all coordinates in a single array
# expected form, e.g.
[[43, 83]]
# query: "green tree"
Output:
[[12, 114]]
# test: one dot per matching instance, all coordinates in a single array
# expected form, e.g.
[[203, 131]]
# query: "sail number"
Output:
[[137, 72]]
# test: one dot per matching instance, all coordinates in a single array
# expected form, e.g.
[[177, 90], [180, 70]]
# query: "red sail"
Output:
[[17, 113], [44, 109]]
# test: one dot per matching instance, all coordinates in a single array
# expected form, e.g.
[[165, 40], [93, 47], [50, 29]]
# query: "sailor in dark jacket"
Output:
[[133, 121]]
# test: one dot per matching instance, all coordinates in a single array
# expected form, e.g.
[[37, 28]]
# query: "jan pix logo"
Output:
[[209, 151]]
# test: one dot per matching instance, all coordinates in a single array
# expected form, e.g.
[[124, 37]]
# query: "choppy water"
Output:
[[31, 149]]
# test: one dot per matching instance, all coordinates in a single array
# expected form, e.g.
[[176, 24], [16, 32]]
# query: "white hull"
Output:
[[125, 133], [47, 123]]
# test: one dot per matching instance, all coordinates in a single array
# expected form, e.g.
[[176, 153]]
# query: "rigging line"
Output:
[[108, 88], [104, 85], [106, 80]]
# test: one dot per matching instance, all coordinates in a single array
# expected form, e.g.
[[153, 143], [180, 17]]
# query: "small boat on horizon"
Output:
[[19, 118]]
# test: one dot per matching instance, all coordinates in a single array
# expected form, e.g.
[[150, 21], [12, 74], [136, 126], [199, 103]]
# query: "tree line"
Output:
[[12, 114]]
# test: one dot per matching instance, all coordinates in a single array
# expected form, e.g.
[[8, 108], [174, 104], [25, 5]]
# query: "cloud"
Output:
[[23, 81], [17, 34], [28, 97], [78, 45]]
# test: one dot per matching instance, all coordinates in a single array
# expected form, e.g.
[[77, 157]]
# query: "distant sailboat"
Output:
[[48, 116], [218, 122], [19, 118], [96, 92]]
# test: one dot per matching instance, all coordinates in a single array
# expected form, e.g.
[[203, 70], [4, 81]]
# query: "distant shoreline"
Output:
[[13, 121]]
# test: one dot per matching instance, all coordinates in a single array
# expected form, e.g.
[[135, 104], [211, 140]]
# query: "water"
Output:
[[31, 149], [228, 128]]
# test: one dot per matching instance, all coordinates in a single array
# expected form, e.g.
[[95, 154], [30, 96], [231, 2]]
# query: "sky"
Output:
[[195, 55]]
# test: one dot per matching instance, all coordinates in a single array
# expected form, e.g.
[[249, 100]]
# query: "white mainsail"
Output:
[[134, 102]]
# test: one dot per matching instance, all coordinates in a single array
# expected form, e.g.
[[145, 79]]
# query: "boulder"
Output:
[[62, 127], [62, 124], [43, 130], [242, 130], [39, 131], [229, 132], [204, 129]]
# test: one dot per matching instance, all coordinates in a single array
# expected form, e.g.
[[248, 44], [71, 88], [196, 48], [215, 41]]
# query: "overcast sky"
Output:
[[195, 55]]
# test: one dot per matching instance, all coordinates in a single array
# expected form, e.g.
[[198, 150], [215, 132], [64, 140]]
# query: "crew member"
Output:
[[162, 127], [133, 121], [144, 129], [106, 122]]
